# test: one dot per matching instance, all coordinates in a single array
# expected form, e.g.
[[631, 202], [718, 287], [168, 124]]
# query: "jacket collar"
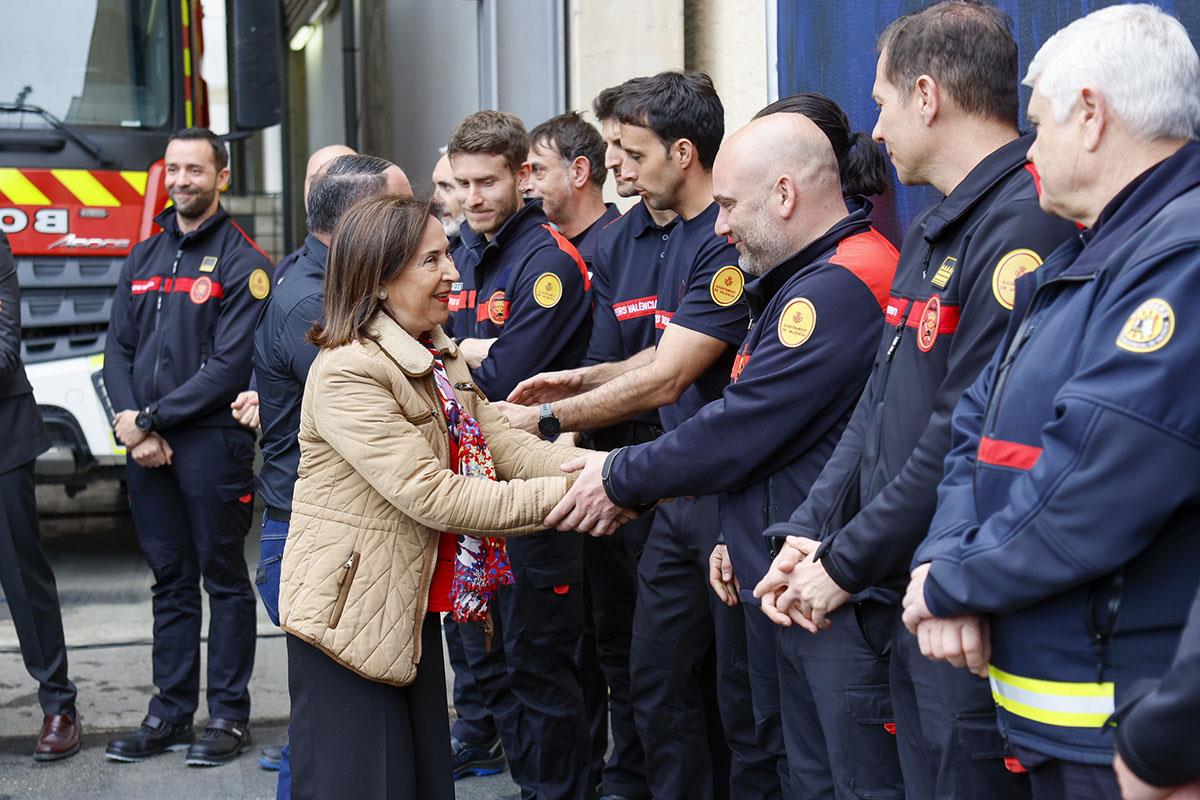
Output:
[[527, 216], [760, 291], [987, 173], [316, 251], [1135, 205], [644, 223], [168, 222], [409, 354]]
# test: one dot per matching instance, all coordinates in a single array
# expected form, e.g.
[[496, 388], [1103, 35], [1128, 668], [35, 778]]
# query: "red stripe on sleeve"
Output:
[[565, 245], [1008, 454]]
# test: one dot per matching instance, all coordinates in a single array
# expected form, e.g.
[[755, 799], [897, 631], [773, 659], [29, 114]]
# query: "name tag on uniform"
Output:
[[208, 264]]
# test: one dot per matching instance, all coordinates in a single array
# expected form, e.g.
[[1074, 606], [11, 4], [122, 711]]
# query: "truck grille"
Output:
[[65, 305]]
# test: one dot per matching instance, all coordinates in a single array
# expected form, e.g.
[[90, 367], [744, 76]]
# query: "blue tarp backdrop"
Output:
[[828, 46]]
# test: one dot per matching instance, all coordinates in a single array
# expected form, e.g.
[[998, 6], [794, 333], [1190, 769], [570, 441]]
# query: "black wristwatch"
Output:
[[144, 420], [548, 424]]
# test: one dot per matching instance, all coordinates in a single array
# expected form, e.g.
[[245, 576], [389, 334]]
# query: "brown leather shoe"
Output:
[[60, 737]]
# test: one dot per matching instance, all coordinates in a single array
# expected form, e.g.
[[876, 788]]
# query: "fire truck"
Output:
[[90, 90]]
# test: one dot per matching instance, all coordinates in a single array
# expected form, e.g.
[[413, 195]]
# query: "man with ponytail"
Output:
[[948, 117]]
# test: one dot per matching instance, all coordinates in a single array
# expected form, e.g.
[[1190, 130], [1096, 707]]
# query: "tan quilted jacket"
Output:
[[375, 490]]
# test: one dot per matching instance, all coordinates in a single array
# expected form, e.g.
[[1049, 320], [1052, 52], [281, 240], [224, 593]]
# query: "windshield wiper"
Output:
[[20, 106]]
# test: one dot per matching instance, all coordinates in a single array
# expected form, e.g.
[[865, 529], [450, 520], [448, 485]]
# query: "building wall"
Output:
[[728, 40]]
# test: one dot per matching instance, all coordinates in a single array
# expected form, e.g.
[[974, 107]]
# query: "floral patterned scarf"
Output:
[[481, 565]]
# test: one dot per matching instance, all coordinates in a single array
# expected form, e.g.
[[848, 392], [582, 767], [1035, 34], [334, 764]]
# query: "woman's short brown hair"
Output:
[[371, 244]]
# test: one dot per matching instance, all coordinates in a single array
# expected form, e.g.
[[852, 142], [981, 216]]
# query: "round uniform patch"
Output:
[[797, 322], [547, 290], [260, 284], [726, 287], [927, 325], [201, 290], [1148, 328], [497, 307], [1011, 266]]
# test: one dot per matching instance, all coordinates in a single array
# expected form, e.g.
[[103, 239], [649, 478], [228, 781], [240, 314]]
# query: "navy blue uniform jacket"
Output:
[[528, 287], [24, 433], [282, 356], [182, 327], [1157, 732], [1070, 507], [816, 321], [872, 504]]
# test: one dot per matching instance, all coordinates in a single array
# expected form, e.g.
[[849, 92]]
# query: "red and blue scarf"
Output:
[[481, 564]]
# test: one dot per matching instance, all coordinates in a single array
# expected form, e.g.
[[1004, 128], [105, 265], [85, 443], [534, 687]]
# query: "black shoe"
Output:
[[223, 740], [470, 760], [154, 737]]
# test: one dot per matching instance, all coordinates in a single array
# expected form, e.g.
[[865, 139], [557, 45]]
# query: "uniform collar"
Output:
[[760, 291], [987, 173], [409, 354], [527, 216], [611, 212], [316, 249], [168, 222], [644, 223], [1135, 205]]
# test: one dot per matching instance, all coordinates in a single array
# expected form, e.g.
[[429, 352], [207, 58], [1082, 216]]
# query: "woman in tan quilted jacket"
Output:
[[408, 483]]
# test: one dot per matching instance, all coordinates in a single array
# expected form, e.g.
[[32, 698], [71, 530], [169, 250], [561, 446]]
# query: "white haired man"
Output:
[[1067, 518]]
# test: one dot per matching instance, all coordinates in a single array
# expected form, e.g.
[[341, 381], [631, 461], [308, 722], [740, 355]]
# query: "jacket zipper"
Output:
[[347, 577], [157, 316]]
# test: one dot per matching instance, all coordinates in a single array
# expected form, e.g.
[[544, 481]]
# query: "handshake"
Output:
[[586, 507]]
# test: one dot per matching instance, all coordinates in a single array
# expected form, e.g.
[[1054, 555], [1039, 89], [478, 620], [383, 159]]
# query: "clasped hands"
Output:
[[797, 589], [586, 507], [146, 448]]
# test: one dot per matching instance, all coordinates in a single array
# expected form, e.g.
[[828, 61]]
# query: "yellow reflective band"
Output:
[[1060, 703], [96, 361], [17, 188], [184, 5], [85, 187], [187, 110], [187, 62], [136, 179], [1052, 687]]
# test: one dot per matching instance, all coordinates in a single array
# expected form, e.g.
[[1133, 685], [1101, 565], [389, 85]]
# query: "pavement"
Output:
[[104, 589]]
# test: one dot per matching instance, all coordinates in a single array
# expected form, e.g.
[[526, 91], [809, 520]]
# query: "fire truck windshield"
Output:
[[88, 62]]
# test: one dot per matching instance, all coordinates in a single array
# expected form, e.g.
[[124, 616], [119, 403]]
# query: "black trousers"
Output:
[[611, 572], [29, 589], [689, 684], [355, 739], [950, 744], [837, 713], [473, 724], [1055, 779], [536, 700], [192, 518]]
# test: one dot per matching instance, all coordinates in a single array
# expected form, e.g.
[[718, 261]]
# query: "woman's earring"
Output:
[[382, 294]]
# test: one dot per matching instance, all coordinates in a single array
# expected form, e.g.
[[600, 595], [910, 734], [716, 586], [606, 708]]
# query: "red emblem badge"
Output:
[[201, 290], [927, 325], [497, 308]]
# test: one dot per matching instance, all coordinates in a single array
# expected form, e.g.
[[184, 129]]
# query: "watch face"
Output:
[[548, 426]]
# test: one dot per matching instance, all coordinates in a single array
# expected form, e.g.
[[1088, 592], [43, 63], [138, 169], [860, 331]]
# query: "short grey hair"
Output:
[[340, 185], [1138, 56]]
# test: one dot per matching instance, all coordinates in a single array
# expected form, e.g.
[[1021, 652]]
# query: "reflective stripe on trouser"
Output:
[[1064, 703]]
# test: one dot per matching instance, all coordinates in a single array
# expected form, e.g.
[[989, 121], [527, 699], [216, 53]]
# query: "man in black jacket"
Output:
[[25, 574], [178, 353]]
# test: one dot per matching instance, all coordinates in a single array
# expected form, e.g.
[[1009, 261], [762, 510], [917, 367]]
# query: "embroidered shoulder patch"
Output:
[[797, 322], [260, 284], [1011, 266], [726, 286], [1148, 328], [547, 290]]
